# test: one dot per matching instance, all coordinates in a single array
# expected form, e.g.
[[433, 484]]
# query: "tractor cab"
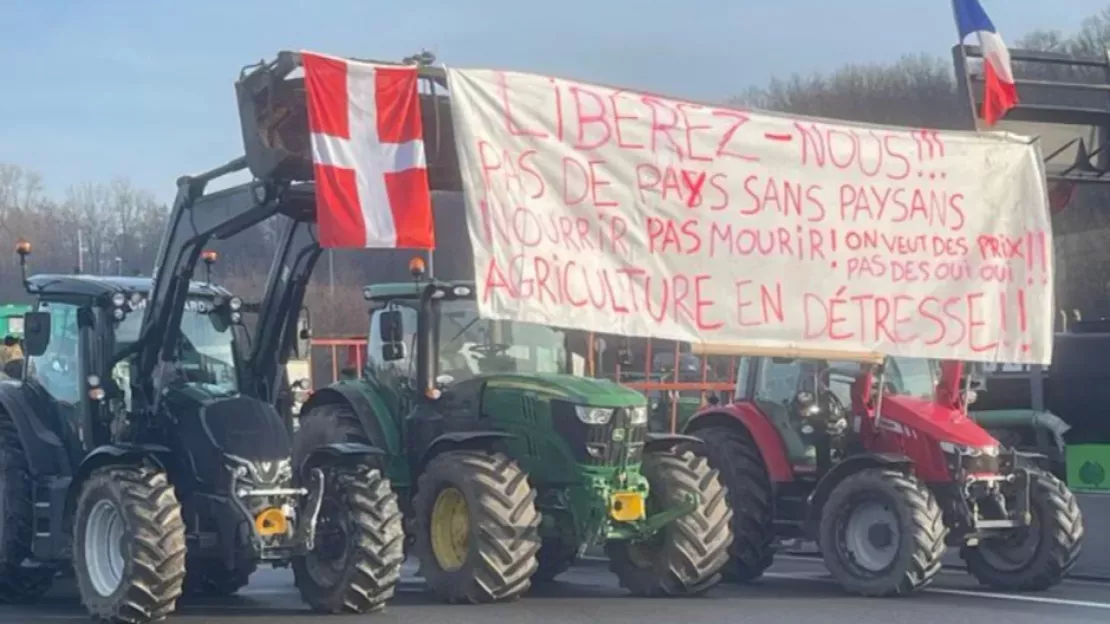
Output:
[[80, 341], [459, 345], [810, 401]]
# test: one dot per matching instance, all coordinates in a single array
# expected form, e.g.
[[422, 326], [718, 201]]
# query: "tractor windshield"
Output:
[[470, 345], [778, 380], [205, 355]]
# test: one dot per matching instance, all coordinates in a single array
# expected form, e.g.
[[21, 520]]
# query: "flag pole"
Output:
[[962, 51]]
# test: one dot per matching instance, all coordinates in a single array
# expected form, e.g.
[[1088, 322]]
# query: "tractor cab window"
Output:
[[470, 345], [205, 352], [57, 370], [916, 377]]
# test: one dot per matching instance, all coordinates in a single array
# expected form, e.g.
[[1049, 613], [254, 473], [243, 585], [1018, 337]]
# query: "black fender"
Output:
[[347, 454], [45, 451], [460, 440], [115, 454], [358, 400], [845, 469], [666, 441]]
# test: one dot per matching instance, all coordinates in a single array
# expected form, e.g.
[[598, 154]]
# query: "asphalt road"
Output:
[[795, 590]]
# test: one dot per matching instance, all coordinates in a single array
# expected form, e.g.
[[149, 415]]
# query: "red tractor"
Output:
[[877, 461]]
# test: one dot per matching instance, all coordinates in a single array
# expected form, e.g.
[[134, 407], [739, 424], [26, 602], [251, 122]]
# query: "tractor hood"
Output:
[[936, 421], [581, 390]]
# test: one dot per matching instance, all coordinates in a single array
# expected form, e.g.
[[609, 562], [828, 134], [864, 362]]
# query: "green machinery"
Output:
[[11, 319], [510, 467]]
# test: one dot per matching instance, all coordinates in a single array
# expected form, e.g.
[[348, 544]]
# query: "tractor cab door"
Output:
[[771, 384], [57, 375], [777, 386]]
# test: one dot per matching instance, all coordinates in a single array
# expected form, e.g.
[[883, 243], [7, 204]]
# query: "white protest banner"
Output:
[[612, 211]]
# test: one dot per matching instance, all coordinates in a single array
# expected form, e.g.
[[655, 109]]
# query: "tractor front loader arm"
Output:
[[275, 332], [196, 219]]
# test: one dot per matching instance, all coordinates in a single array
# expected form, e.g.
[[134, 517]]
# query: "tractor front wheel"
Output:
[[477, 527], [1036, 557], [129, 545], [687, 555], [355, 563], [882, 533]]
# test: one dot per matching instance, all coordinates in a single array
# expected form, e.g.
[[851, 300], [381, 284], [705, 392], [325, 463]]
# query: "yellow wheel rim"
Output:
[[450, 529]]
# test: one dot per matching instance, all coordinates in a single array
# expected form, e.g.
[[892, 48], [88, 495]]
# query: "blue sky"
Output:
[[94, 89]]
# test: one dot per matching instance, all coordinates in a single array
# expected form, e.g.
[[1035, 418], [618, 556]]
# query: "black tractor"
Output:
[[131, 450]]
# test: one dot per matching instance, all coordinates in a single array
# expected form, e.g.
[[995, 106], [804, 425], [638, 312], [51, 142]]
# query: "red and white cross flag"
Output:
[[368, 154]]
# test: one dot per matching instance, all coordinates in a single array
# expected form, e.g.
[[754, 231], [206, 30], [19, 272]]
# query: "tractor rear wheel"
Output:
[[129, 545], [356, 562], [477, 527], [735, 454], [882, 533], [1037, 557], [686, 556], [18, 585], [206, 577]]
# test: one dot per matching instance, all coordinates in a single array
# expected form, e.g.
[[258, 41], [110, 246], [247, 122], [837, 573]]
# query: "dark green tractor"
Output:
[[509, 466]]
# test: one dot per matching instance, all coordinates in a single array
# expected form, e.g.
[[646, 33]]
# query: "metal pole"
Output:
[[331, 271]]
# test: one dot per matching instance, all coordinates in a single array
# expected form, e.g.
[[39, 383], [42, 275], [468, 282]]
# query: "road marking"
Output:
[[1064, 602], [951, 570], [1061, 602]]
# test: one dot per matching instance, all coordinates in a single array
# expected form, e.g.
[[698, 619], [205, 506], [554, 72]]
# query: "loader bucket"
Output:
[[274, 120]]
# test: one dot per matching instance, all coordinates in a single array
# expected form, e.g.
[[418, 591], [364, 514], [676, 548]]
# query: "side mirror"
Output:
[[393, 351], [390, 326], [36, 332]]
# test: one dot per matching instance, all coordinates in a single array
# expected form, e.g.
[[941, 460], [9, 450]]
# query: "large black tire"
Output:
[[555, 557], [502, 532], [18, 585], [212, 578], [356, 563], [914, 513], [1058, 525], [139, 502], [732, 451], [686, 557]]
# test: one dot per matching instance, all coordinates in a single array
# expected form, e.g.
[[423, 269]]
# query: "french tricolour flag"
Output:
[[1000, 94], [368, 154]]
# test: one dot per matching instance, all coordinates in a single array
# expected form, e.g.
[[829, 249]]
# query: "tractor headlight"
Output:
[[119, 299], [638, 415], [235, 303], [973, 451], [593, 415]]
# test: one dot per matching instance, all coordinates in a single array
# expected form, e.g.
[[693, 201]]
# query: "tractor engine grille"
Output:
[[600, 445], [979, 464]]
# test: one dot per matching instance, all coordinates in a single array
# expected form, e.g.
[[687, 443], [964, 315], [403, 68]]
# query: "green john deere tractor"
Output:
[[510, 467]]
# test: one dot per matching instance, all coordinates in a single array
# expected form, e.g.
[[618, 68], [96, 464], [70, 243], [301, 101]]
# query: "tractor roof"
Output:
[[83, 285], [406, 290]]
